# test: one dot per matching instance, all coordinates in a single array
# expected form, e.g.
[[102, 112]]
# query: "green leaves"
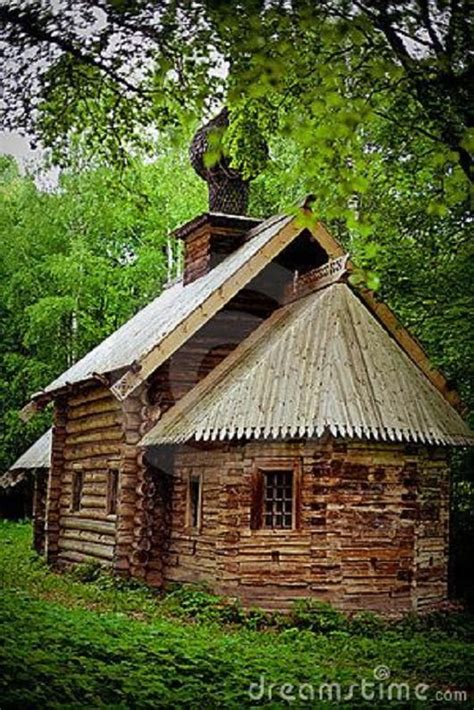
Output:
[[147, 67], [64, 641], [75, 264]]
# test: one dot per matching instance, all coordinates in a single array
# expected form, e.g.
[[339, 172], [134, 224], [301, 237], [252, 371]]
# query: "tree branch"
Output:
[[30, 25], [426, 18]]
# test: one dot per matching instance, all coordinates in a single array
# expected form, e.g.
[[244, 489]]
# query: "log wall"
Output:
[[372, 526], [432, 542], [191, 554], [53, 494], [92, 442]]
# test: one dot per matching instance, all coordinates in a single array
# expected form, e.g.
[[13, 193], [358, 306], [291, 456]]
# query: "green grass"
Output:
[[70, 643]]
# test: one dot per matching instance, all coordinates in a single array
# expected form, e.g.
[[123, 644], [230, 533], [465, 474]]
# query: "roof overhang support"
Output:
[[41, 399], [29, 410]]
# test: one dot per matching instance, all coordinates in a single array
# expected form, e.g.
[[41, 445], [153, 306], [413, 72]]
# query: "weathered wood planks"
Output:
[[372, 535]]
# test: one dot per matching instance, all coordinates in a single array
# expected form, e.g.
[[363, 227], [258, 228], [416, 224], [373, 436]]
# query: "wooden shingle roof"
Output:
[[132, 353], [37, 456], [154, 333], [322, 364]]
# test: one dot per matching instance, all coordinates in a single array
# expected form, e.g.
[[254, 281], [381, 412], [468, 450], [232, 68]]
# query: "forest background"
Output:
[[367, 105]]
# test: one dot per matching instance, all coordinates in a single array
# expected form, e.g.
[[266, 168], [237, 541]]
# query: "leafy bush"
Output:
[[257, 619], [454, 624], [65, 643], [86, 571], [193, 602], [230, 611], [317, 616], [366, 623], [101, 577]]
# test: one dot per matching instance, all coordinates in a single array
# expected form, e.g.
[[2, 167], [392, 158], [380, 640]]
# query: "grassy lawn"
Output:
[[66, 642]]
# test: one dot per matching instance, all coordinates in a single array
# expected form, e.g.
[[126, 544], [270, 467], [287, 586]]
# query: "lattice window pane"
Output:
[[278, 499]]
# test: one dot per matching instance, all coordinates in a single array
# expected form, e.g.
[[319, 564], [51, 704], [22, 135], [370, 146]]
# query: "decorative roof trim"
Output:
[[408, 342], [330, 273], [154, 356], [317, 432]]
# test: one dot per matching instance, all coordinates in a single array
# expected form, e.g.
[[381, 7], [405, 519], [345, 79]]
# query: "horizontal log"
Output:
[[92, 394], [99, 475], [85, 536], [102, 527], [84, 451], [90, 487], [101, 421], [92, 501], [92, 436], [101, 406], [100, 551]]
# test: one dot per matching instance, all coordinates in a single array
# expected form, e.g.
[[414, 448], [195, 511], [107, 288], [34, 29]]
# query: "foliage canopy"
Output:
[[352, 78], [367, 104]]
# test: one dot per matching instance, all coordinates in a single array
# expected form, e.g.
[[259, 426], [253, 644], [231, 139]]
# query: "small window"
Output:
[[77, 486], [276, 503], [195, 501], [278, 499], [112, 491]]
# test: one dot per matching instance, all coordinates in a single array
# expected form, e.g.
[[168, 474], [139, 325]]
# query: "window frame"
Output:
[[262, 466], [113, 485], [77, 491], [194, 477]]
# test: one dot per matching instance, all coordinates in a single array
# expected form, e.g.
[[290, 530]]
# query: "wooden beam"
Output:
[[410, 346], [214, 302]]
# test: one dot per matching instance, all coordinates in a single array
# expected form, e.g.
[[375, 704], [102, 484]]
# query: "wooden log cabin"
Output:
[[23, 487], [262, 426]]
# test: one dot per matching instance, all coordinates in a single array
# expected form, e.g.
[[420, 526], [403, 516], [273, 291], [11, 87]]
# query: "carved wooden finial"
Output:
[[228, 191]]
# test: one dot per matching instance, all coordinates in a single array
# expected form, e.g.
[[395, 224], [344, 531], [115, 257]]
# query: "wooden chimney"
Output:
[[209, 238]]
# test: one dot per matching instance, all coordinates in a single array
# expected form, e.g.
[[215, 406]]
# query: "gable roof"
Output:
[[154, 333], [150, 337], [37, 456], [322, 363]]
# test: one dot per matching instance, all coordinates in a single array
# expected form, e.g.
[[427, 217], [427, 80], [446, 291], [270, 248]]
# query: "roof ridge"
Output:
[[152, 334]]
